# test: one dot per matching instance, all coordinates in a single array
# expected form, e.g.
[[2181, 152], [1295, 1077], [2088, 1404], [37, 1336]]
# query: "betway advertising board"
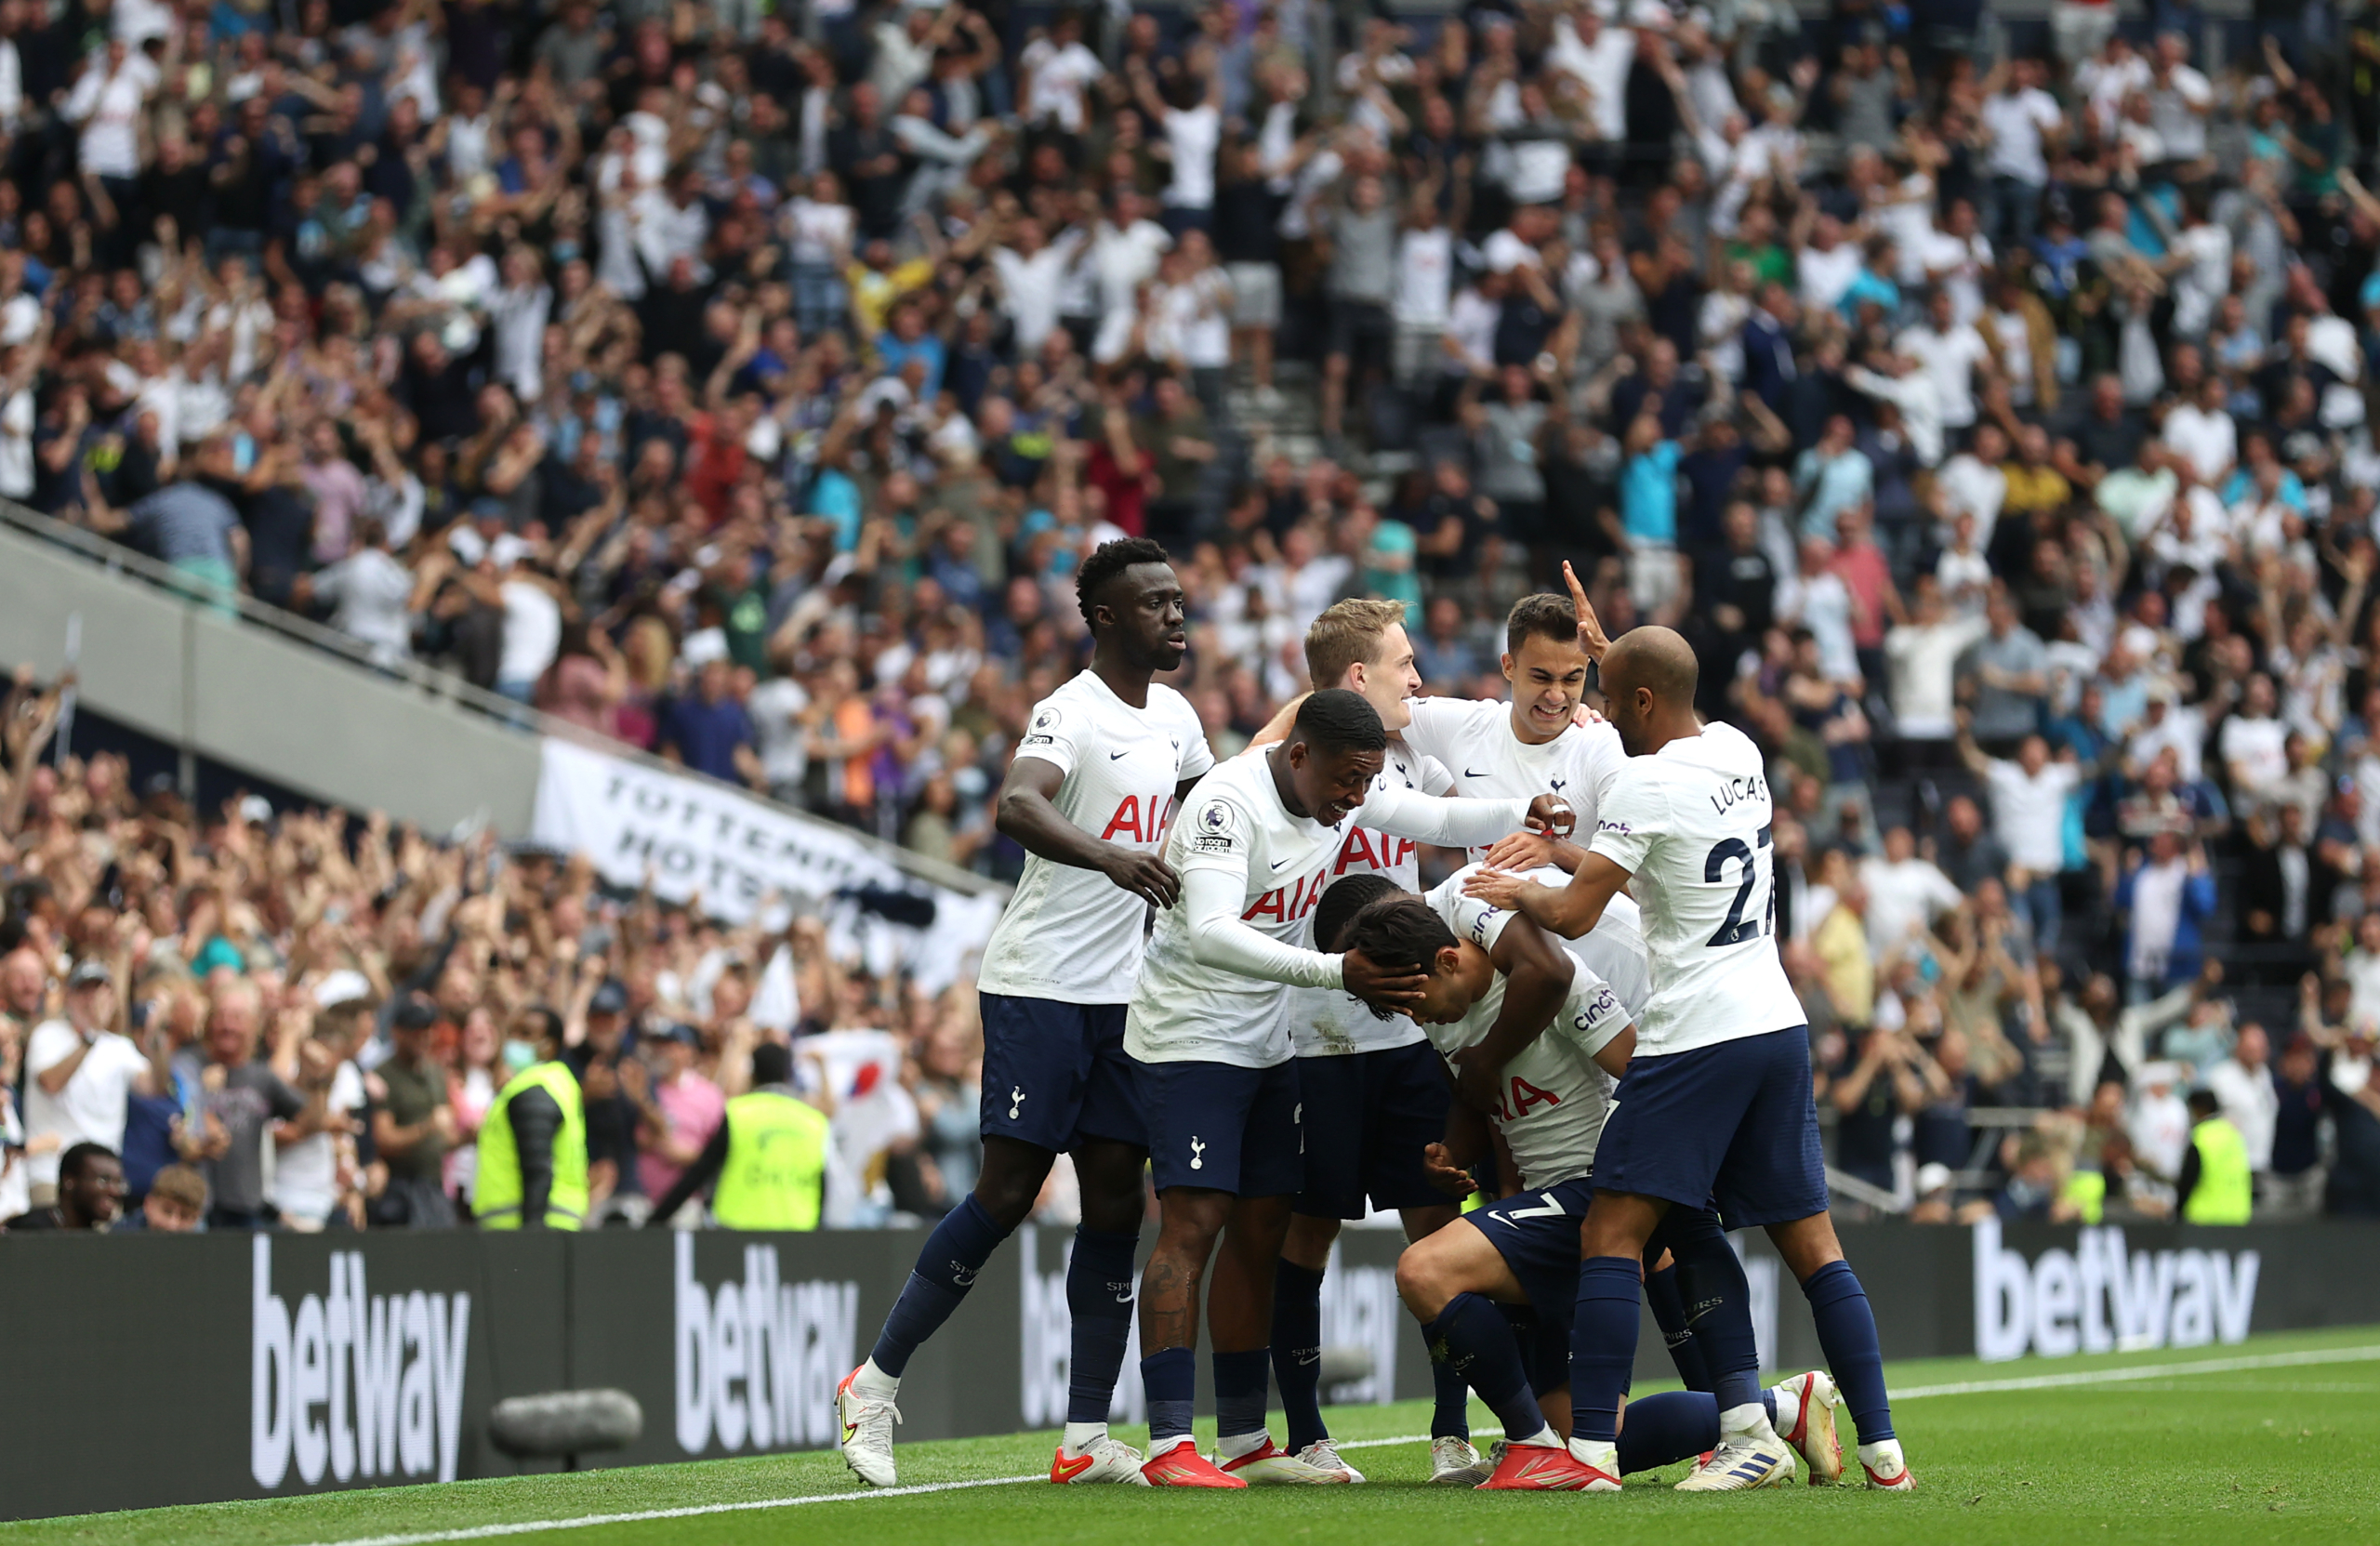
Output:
[[154, 1369]]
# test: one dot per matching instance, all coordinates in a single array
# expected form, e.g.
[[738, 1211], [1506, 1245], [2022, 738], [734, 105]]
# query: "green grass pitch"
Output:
[[2278, 1439]]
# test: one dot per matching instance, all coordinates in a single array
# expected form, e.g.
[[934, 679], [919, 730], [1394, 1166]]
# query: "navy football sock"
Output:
[[1674, 1426], [1170, 1379], [1471, 1337], [1240, 1392], [1297, 1351], [1669, 1314], [1717, 1303], [1848, 1337], [1450, 1398], [954, 1254], [1603, 1343], [1099, 1297]]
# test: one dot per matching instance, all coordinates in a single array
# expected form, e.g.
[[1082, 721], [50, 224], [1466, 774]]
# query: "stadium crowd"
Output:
[[746, 384]]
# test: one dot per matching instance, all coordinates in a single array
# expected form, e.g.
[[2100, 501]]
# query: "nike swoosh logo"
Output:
[[1114, 755], [1067, 1470], [1279, 862], [1468, 774]]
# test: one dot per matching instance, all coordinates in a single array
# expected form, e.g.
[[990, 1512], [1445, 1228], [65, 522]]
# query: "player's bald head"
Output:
[[1652, 657], [1648, 672]]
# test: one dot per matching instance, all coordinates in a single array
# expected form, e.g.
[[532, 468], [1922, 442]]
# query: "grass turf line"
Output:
[[2200, 1447]]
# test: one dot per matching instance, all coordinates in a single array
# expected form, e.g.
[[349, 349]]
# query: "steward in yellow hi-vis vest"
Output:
[[768, 1158], [2217, 1186], [533, 1147]]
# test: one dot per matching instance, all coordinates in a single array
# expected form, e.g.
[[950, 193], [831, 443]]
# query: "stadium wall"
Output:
[[177, 1369]]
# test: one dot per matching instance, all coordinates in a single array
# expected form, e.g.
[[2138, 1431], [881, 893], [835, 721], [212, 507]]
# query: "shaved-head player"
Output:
[[1716, 1106]]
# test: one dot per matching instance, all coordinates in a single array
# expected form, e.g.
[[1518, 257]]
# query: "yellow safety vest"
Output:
[[776, 1158], [497, 1195], [2087, 1190], [2225, 1190]]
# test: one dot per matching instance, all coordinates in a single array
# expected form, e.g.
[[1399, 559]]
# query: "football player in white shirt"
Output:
[[1490, 968], [1373, 1094], [1209, 1029], [1104, 762], [1716, 1102], [1533, 745]]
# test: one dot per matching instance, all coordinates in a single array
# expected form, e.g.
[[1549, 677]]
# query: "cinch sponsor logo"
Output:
[[2101, 1298], [758, 1361], [353, 1385]]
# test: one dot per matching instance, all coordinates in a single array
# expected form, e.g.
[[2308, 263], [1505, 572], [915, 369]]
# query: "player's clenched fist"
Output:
[[1552, 816]]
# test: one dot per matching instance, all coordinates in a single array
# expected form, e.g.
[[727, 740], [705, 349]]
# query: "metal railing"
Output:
[[429, 682]]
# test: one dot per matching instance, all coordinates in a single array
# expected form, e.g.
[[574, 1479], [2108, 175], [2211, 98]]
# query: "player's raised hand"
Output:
[[1381, 986], [1439, 1169], [1551, 815], [1146, 875], [1498, 887], [1591, 634]]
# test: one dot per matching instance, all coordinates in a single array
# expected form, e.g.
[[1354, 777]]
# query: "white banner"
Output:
[[698, 839]]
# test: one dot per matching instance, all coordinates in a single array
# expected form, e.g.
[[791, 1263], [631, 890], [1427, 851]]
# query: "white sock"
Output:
[[1233, 1446], [1603, 1453], [1167, 1446], [1744, 1420], [1544, 1438], [1080, 1436], [1789, 1408], [874, 1384]]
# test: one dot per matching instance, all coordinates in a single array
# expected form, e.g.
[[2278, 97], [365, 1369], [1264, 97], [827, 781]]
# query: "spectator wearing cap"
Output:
[[532, 1146], [79, 1073], [89, 1193], [599, 1058], [176, 1204], [678, 1108], [768, 1158], [415, 1124]]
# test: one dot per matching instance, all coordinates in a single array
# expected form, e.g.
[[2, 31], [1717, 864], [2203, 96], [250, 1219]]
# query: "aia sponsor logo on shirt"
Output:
[[1287, 904], [1139, 818]]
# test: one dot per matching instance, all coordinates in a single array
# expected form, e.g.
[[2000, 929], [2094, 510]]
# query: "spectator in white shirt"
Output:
[[1921, 656], [2018, 118], [2180, 100], [1950, 350], [1058, 70], [78, 1073], [2203, 433], [2028, 817], [1905, 893], [2252, 743], [2242, 1083]]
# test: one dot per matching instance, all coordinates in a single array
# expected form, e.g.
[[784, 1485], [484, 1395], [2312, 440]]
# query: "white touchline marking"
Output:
[[2143, 1371], [529, 1526], [1969, 1387]]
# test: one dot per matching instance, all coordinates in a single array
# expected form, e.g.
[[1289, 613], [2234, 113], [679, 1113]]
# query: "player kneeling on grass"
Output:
[[1524, 1249]]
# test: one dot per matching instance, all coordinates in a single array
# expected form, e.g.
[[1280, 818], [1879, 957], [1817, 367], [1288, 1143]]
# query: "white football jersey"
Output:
[[1184, 1010], [1330, 1022], [1552, 1098], [1691, 823], [1073, 934], [1473, 737]]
